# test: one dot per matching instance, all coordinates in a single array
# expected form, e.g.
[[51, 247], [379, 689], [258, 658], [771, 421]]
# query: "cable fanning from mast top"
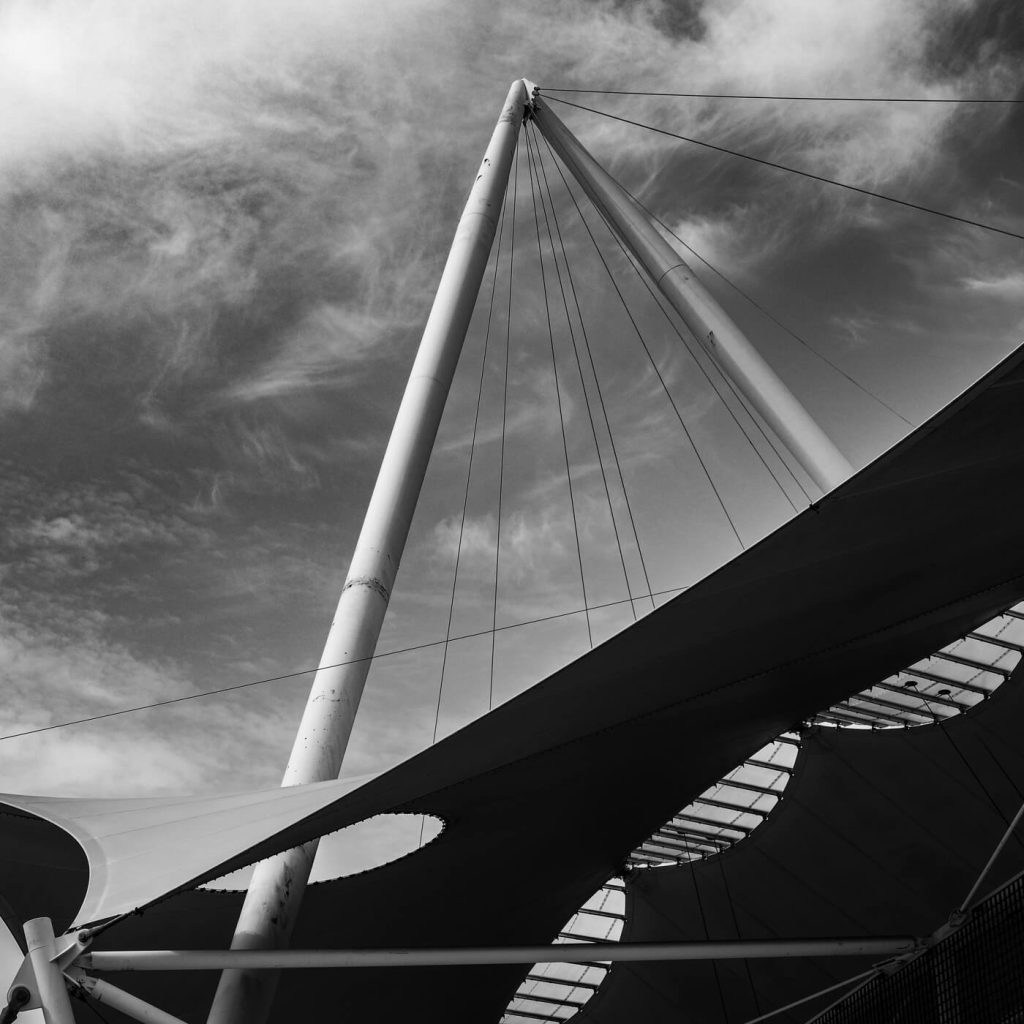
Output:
[[793, 170], [797, 99]]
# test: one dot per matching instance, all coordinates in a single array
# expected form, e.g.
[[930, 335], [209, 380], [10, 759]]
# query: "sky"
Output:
[[221, 228]]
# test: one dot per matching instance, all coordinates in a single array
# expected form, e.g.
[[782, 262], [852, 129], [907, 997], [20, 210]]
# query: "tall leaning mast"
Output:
[[244, 996], [275, 892]]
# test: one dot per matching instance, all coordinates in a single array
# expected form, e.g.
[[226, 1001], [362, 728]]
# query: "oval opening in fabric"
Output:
[[361, 847]]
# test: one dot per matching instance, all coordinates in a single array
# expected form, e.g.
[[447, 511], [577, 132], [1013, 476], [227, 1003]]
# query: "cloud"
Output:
[[246, 195], [114, 597], [473, 540], [1008, 286], [53, 677]]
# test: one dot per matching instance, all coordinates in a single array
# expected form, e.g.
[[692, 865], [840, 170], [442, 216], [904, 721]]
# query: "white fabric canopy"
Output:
[[140, 849]]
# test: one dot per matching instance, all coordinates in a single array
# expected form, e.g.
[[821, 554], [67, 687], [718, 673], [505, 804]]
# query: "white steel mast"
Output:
[[709, 323], [275, 892]]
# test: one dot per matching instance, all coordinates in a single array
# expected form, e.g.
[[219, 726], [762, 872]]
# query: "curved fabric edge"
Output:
[[139, 849]]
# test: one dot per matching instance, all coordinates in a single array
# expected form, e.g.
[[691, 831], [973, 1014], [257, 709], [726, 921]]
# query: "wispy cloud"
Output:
[[1003, 286], [238, 190]]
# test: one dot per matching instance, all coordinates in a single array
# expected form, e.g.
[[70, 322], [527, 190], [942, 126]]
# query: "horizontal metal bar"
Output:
[[717, 842], [533, 1016], [845, 718], [769, 765], [654, 845], [946, 681], [533, 998], [689, 816], [673, 841], [726, 806], [602, 913], [548, 979], [997, 641], [675, 857], [644, 859], [909, 716], [750, 787], [691, 836], [679, 856], [886, 716], [579, 937], [930, 697], [565, 953], [904, 709], [958, 659]]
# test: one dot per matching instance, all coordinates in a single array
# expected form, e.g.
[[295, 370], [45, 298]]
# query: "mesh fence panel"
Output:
[[976, 976]]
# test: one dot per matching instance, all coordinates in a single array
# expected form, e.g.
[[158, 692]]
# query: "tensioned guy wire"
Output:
[[737, 395], [739, 934], [707, 935], [685, 342], [771, 316], [794, 170], [546, 192], [313, 669], [504, 417], [697, 356], [654, 366], [558, 390], [597, 384], [798, 99], [469, 468]]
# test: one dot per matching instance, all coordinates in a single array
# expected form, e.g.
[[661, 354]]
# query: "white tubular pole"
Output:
[[51, 989], [124, 1002], [275, 892], [710, 324], [562, 953]]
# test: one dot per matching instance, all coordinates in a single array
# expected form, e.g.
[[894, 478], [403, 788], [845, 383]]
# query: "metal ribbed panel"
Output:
[[947, 683]]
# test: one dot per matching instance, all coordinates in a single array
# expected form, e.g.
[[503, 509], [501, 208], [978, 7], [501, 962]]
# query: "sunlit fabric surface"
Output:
[[139, 849], [546, 796]]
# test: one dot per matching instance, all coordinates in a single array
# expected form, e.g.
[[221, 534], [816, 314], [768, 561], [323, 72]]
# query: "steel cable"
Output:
[[284, 676], [504, 417], [799, 99], [597, 384], [469, 469], [771, 316], [794, 170], [657, 371], [575, 350], [558, 390]]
